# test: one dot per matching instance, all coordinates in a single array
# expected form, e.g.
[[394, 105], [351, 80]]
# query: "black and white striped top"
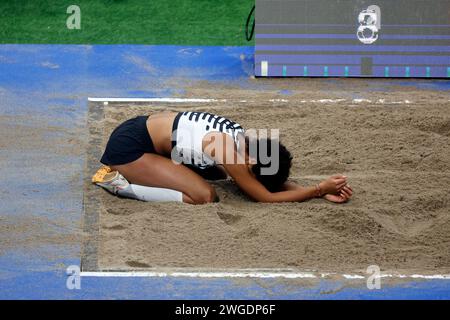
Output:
[[188, 131]]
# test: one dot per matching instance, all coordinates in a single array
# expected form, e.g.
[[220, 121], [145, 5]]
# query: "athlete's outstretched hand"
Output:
[[343, 196], [333, 185]]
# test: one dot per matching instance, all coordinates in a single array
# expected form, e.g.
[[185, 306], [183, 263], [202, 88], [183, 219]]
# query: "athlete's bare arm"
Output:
[[225, 149], [342, 196]]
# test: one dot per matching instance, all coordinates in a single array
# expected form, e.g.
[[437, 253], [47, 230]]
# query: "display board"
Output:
[[352, 38]]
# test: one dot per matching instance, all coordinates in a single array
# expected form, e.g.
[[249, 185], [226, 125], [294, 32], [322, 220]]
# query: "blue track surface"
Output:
[[45, 88]]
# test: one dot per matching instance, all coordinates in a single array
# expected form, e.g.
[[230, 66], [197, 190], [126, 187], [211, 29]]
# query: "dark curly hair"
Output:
[[272, 182]]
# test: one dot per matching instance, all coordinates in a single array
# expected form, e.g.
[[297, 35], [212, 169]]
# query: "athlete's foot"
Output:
[[112, 181]]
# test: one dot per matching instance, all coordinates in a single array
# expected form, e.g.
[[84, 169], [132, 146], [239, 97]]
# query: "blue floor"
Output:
[[44, 90]]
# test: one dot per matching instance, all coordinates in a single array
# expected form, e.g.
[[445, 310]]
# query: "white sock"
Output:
[[144, 193], [115, 183]]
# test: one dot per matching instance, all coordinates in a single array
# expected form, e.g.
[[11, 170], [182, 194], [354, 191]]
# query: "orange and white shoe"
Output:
[[110, 180]]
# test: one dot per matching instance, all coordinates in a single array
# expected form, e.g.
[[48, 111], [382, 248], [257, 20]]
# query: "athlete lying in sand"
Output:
[[168, 157]]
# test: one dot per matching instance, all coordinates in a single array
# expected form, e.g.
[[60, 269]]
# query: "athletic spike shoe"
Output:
[[100, 174], [112, 181]]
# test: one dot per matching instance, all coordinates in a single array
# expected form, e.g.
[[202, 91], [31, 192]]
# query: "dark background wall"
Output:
[[319, 38]]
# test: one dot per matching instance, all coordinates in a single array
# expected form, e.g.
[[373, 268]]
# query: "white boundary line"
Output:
[[206, 100], [248, 274], [170, 100], [222, 274]]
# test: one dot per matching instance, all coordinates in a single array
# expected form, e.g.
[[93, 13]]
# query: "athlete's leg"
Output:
[[156, 171], [114, 182]]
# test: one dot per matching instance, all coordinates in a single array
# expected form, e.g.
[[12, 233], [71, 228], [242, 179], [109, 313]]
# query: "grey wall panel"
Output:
[[400, 38]]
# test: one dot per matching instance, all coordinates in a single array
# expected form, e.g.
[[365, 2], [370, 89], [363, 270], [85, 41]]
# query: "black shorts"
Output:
[[128, 142]]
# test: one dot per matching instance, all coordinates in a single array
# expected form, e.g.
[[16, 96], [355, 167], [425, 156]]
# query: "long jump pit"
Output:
[[395, 153]]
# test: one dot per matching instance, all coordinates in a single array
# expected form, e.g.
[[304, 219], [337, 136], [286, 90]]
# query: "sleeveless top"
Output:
[[188, 131]]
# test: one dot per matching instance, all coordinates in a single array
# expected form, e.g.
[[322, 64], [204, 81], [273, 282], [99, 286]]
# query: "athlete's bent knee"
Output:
[[206, 195]]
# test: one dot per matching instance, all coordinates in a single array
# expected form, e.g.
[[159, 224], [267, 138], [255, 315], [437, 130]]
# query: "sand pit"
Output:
[[395, 155]]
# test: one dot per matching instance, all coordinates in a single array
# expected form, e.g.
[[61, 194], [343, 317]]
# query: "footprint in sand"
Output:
[[137, 264], [229, 218], [119, 211], [115, 227]]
